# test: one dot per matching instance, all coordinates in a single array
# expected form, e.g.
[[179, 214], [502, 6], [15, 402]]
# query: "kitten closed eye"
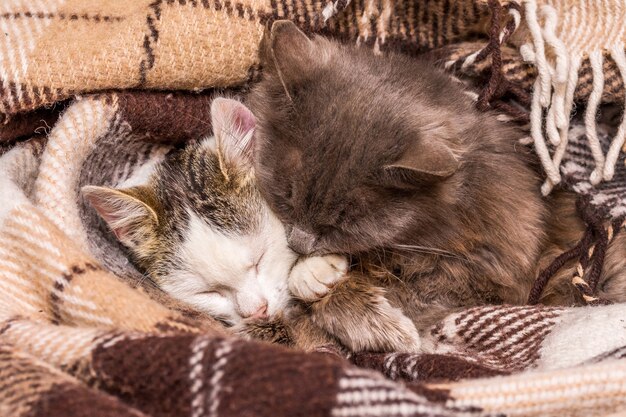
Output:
[[256, 264], [219, 291]]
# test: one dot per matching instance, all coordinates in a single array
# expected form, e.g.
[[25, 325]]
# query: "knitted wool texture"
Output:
[[55, 49], [81, 331], [77, 339]]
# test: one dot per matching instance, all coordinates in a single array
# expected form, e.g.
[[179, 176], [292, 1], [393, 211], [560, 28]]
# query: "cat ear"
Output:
[[288, 52], [424, 161], [233, 127], [125, 211]]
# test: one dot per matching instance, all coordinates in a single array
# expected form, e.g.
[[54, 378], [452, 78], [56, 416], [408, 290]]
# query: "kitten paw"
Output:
[[312, 278]]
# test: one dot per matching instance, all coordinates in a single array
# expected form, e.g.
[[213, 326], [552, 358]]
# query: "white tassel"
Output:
[[557, 75], [540, 143], [611, 157], [527, 53], [541, 63], [555, 43], [517, 18], [572, 82], [329, 11], [595, 59], [561, 71], [551, 124], [470, 59], [385, 19], [368, 13], [549, 77]]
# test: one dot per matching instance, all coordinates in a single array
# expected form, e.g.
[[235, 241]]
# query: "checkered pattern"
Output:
[[81, 333]]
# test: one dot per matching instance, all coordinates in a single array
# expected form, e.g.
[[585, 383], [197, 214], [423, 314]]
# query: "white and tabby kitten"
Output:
[[201, 231]]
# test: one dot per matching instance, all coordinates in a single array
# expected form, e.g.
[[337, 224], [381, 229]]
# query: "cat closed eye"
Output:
[[255, 264], [218, 292], [289, 193], [283, 207]]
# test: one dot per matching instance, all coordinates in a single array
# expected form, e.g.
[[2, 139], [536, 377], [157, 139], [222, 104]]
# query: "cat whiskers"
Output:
[[428, 250], [146, 280]]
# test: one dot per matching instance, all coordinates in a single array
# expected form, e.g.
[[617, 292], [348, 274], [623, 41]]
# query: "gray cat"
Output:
[[384, 158]]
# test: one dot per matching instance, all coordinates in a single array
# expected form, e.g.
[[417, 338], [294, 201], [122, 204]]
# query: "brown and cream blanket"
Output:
[[96, 91]]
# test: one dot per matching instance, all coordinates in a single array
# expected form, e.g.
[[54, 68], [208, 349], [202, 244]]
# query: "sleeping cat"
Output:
[[385, 159], [201, 231]]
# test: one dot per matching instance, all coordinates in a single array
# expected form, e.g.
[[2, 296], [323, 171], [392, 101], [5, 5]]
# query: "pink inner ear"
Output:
[[232, 125], [108, 214], [243, 119]]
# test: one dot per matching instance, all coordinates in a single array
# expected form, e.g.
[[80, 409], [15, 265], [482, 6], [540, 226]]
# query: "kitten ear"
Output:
[[125, 211], [423, 161], [233, 127], [288, 52]]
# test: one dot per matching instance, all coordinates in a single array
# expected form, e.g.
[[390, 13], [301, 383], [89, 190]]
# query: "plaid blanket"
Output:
[[83, 333]]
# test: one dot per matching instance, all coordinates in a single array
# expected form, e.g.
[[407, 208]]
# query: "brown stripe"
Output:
[[412, 20], [511, 320], [516, 329], [28, 124], [7, 324], [424, 12], [530, 348], [227, 6], [46, 94], [476, 11], [26, 97], [124, 369], [535, 339], [470, 312], [31, 378], [237, 9], [455, 19], [272, 7], [435, 28], [62, 16], [59, 286], [618, 353], [531, 355], [445, 22], [72, 399], [13, 93], [428, 367], [149, 41], [401, 22], [536, 333], [168, 117]]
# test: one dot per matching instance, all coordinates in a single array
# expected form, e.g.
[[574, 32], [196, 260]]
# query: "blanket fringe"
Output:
[[590, 252], [497, 85], [554, 90], [557, 64], [374, 21]]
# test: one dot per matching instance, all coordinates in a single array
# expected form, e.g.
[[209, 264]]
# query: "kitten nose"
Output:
[[261, 313], [300, 241]]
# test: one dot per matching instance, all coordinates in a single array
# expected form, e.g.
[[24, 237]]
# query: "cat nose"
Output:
[[300, 241], [261, 313]]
